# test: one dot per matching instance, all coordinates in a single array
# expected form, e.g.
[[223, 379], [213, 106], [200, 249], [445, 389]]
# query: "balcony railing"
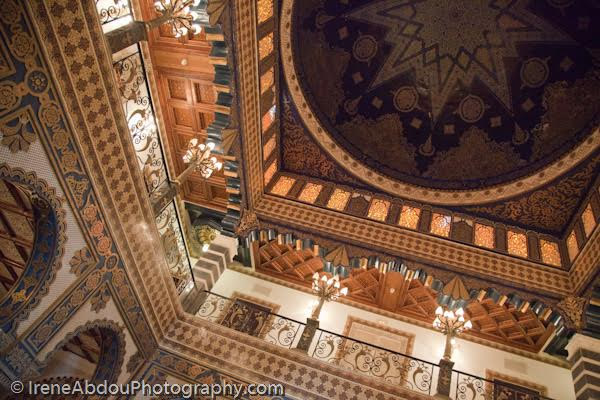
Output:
[[471, 387], [345, 352]]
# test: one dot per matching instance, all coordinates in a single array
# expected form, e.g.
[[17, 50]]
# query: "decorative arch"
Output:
[[47, 251], [112, 348]]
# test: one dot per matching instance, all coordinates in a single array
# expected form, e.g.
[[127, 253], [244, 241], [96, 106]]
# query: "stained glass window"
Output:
[[379, 209], [338, 199], [270, 171], [266, 80], [440, 224], [310, 192], [517, 244], [283, 186], [409, 217], [589, 221], [264, 10], [550, 253], [484, 236], [268, 147], [265, 46], [572, 246]]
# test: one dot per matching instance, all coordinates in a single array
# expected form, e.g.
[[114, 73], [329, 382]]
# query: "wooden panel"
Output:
[[187, 97]]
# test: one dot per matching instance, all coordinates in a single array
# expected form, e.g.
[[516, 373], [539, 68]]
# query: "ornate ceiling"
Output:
[[411, 90]]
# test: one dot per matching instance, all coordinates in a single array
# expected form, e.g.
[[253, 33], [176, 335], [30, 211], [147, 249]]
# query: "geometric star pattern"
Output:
[[450, 41]]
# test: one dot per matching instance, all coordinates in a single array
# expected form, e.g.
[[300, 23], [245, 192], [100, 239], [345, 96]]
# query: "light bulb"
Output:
[[194, 142], [316, 276], [194, 15], [461, 319], [439, 310], [324, 278], [205, 247], [344, 291], [197, 28], [218, 166], [468, 325], [329, 281], [211, 145], [336, 284], [460, 312], [451, 315]]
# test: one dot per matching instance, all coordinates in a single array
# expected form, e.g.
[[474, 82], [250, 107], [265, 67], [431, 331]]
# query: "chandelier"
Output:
[[199, 156], [183, 15], [450, 324], [327, 289]]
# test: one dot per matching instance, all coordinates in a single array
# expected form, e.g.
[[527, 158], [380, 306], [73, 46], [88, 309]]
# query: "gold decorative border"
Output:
[[403, 189]]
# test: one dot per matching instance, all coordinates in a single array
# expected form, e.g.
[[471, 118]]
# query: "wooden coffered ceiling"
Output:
[[410, 296], [184, 74], [16, 233]]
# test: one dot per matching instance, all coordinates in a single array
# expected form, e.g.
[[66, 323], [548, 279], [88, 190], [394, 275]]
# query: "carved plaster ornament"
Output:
[[248, 222], [573, 309]]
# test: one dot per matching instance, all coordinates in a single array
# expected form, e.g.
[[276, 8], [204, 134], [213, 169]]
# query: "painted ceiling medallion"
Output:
[[445, 102], [445, 42]]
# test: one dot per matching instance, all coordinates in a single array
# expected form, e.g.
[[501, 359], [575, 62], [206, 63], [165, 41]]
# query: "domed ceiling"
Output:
[[446, 95]]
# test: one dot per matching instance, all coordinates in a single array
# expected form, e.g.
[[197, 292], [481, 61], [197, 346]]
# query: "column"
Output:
[[584, 356]]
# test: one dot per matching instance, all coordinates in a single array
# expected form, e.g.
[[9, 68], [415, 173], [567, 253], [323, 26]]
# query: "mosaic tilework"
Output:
[[310, 192], [265, 10], [550, 253], [516, 244], [338, 199], [484, 236], [283, 186], [440, 224], [589, 220], [409, 217], [379, 209], [572, 246], [265, 46]]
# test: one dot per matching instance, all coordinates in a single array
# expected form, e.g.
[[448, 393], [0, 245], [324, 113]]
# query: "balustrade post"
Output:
[[444, 382], [308, 334]]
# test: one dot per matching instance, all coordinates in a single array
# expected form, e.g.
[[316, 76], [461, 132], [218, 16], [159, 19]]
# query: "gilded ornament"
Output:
[[78, 188], [76, 298], [60, 315], [37, 81], [181, 366], [247, 222], [10, 12], [8, 96], [89, 212], [104, 245], [49, 114], [60, 138], [573, 308], [23, 46], [19, 296], [80, 261], [93, 280], [43, 333], [97, 229], [118, 278], [17, 137], [195, 370]]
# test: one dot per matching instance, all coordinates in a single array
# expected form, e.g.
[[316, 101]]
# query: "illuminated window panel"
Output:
[[268, 148], [338, 200], [283, 186], [379, 209], [265, 10], [268, 118], [266, 80], [265, 46], [589, 221], [517, 244], [550, 253], [270, 171], [484, 236], [572, 247], [409, 217], [310, 192], [440, 224]]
